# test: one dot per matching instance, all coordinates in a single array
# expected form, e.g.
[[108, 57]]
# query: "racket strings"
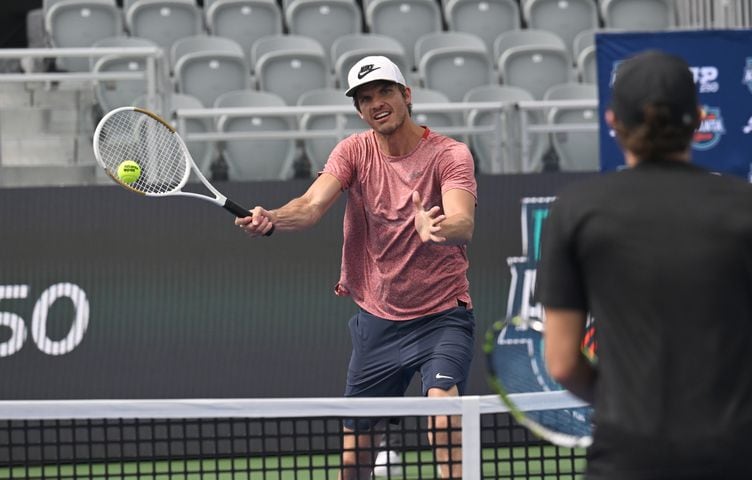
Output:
[[134, 135], [516, 360]]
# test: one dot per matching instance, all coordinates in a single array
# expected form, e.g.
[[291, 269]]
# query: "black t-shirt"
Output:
[[661, 256]]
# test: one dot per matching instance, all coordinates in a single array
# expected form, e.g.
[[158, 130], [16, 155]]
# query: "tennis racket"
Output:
[[514, 354], [131, 133]]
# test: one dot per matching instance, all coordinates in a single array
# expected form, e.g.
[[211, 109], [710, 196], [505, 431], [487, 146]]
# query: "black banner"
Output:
[[105, 294]]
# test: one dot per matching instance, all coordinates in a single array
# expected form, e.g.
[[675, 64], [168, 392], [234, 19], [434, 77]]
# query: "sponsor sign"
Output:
[[722, 69]]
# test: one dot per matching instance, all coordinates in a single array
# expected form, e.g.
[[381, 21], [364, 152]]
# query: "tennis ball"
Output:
[[129, 171]]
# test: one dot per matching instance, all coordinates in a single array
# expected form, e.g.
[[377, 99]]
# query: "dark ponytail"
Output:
[[659, 135]]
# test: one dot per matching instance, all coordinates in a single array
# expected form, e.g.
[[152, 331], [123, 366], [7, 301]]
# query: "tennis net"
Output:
[[269, 439]]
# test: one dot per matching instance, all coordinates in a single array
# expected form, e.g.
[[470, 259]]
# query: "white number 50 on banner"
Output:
[[19, 331]]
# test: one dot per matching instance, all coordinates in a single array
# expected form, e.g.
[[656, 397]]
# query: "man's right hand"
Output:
[[258, 223]]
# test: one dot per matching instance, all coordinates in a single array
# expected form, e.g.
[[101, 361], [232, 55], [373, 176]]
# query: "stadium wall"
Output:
[[104, 294]]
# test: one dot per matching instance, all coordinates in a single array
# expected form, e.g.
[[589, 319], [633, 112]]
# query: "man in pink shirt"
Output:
[[409, 216]]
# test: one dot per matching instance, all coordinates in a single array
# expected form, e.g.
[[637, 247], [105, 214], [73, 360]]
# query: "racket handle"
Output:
[[236, 209], [241, 212]]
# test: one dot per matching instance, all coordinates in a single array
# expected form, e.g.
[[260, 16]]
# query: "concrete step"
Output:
[[38, 150], [47, 150], [30, 122], [45, 134], [84, 150], [47, 175], [14, 95]]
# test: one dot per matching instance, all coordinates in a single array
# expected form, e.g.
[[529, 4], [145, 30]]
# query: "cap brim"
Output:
[[350, 92]]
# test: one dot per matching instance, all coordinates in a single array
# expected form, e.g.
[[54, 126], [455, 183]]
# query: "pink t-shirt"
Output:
[[386, 269]]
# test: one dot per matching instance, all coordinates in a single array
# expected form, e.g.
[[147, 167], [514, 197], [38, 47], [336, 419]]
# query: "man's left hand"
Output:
[[428, 222]]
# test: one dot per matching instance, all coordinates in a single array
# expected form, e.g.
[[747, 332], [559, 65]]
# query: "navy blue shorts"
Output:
[[387, 354]]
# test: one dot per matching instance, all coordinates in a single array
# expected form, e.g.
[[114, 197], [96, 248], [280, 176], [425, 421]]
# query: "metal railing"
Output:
[[181, 115], [156, 89], [340, 132], [148, 75], [527, 129]]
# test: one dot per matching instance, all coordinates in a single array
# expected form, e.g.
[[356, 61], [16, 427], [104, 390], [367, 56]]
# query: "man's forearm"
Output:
[[564, 331], [457, 229], [298, 214], [303, 212], [581, 382]]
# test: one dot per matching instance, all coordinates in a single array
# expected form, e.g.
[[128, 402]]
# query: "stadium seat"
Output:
[[577, 151], [586, 66], [80, 23], [244, 21], [453, 63], [501, 152], [437, 121], [638, 14], [206, 66], [535, 65], [203, 152], [318, 149], [256, 158], [117, 93], [583, 47], [583, 40], [485, 18], [404, 20], [566, 18], [522, 37], [36, 37], [348, 49], [323, 20], [163, 21], [289, 65]]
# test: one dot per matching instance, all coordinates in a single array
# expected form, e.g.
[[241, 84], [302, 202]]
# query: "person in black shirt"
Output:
[[660, 254]]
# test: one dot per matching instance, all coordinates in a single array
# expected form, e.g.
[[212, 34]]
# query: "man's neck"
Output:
[[631, 159], [402, 141]]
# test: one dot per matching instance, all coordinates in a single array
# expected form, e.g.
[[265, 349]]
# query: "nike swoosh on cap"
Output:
[[440, 376], [365, 70]]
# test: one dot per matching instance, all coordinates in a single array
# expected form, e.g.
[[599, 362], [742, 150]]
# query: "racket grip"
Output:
[[241, 212], [236, 209]]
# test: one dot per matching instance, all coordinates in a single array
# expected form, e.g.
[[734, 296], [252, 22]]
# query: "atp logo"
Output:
[[748, 74], [706, 78], [711, 129]]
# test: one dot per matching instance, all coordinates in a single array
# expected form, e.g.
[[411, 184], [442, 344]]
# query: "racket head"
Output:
[[515, 363], [132, 133]]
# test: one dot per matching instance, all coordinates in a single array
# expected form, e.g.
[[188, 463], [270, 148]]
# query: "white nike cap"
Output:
[[370, 69]]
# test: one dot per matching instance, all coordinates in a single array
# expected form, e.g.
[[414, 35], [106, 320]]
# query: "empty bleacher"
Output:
[[84, 57]]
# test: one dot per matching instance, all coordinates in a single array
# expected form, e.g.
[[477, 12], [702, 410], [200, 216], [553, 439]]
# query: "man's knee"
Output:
[[350, 458], [357, 449]]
